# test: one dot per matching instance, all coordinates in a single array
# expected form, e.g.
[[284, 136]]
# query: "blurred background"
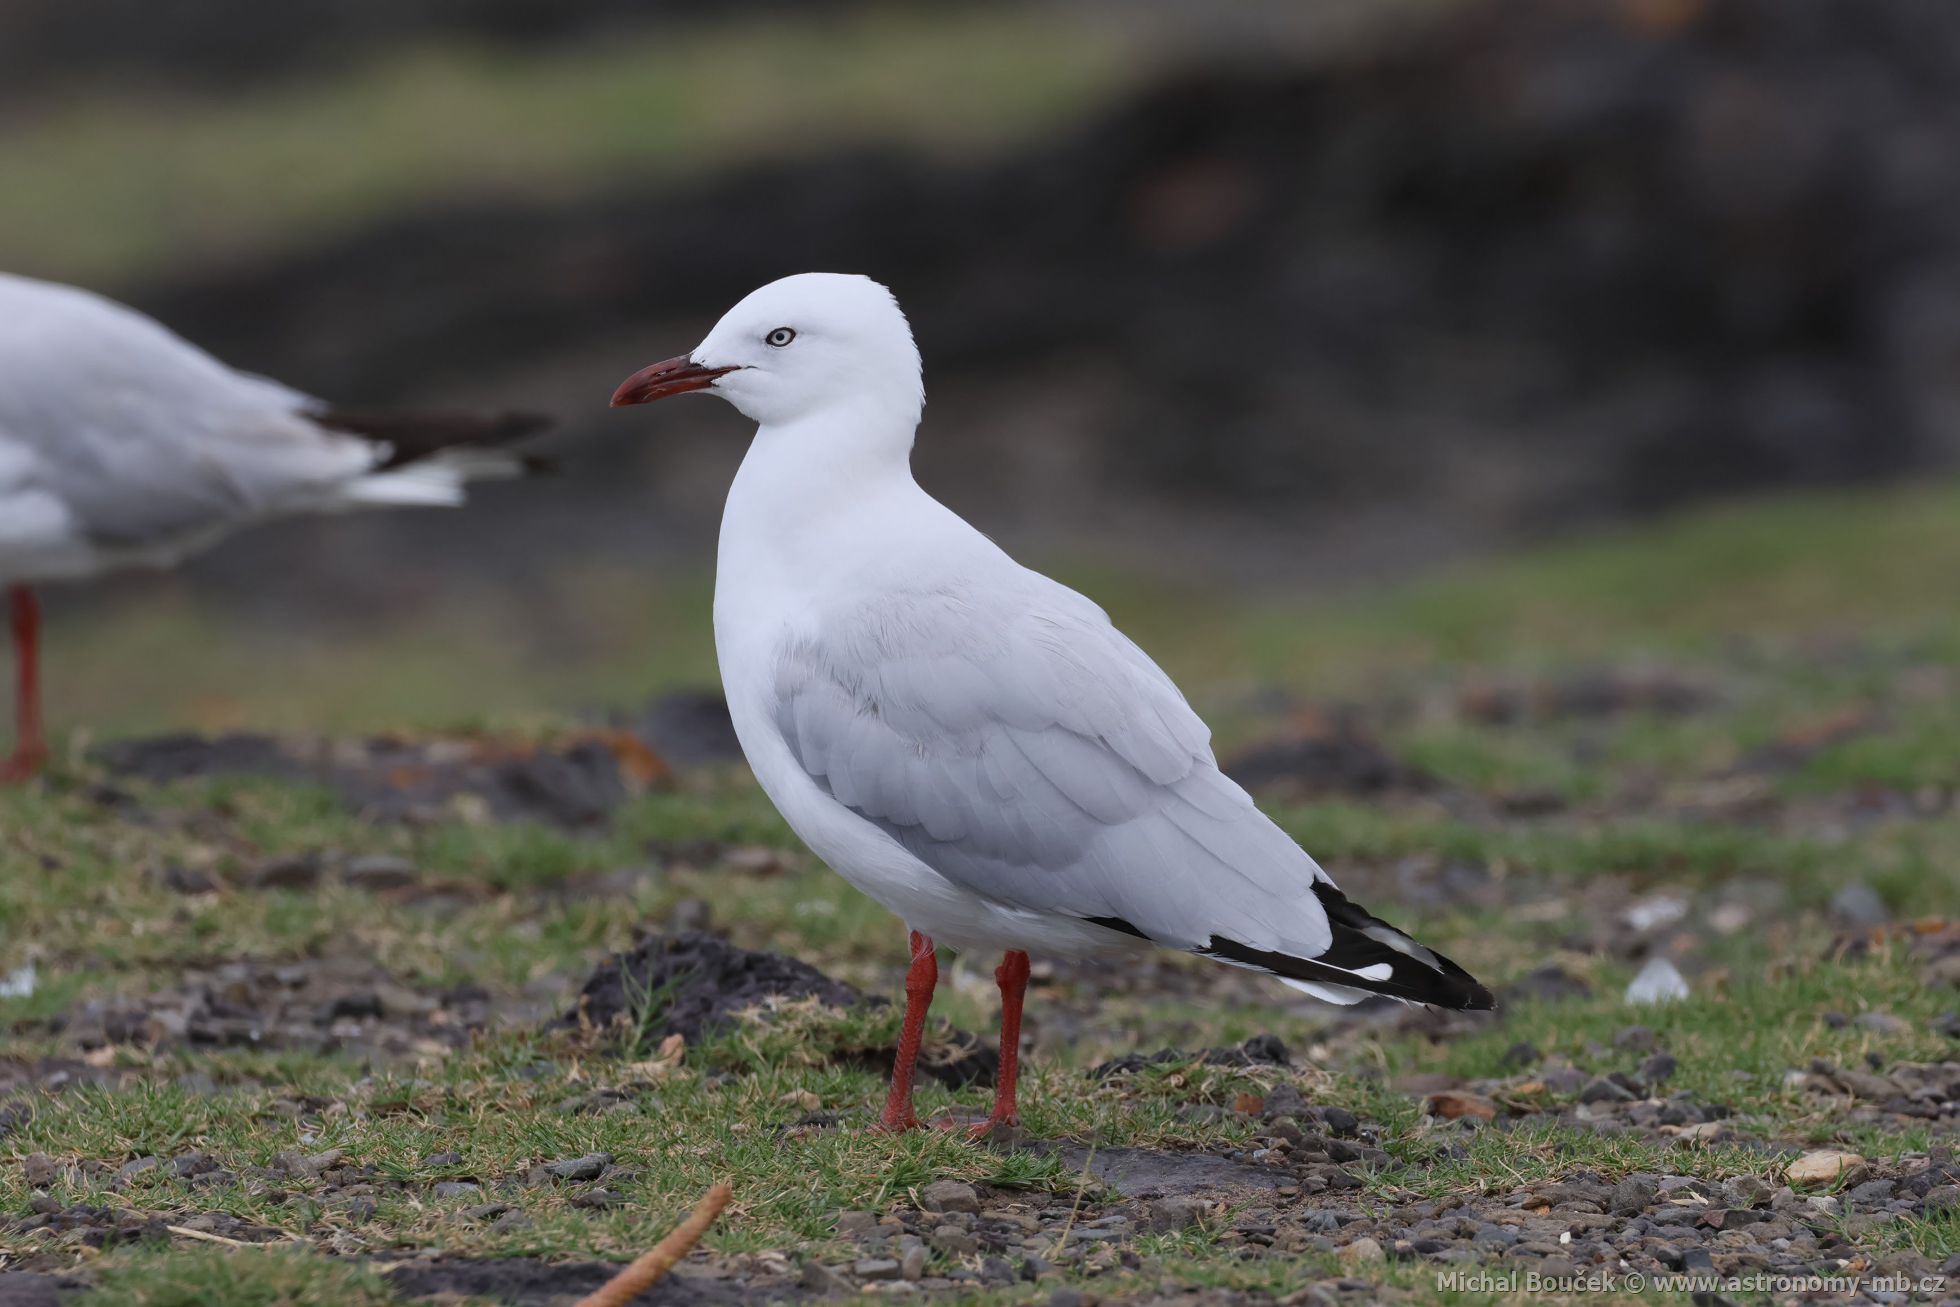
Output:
[[1226, 310]]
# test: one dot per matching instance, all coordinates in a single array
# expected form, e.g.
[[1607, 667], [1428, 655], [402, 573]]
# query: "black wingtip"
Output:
[[413, 436], [1419, 976]]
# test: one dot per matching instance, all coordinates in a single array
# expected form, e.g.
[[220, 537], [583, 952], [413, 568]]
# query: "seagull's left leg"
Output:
[[921, 978], [1012, 977], [30, 750]]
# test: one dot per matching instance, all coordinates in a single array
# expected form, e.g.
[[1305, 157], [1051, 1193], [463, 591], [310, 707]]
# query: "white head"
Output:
[[799, 347]]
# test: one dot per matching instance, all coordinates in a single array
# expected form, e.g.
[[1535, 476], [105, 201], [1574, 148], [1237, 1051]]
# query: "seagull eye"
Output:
[[780, 337]]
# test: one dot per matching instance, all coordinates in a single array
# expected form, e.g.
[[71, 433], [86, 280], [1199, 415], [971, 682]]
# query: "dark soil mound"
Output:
[[701, 981]]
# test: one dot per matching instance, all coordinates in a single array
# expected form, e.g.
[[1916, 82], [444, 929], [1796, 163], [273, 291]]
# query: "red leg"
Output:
[[1012, 977], [920, 979], [30, 750]]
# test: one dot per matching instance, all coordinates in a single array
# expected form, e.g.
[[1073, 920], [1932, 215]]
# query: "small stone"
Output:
[[1945, 1198], [849, 1223], [1361, 1252], [1633, 1195], [304, 1166], [1858, 907], [1178, 1212], [511, 1222], [456, 1189], [588, 1167], [486, 1211], [40, 1170], [1636, 1039], [912, 1266], [875, 1268], [1657, 1069], [1821, 1167], [949, 1196], [953, 1241], [1451, 1104], [598, 1199], [821, 1279], [376, 872], [1660, 981], [294, 873], [130, 1170], [1747, 1191], [1884, 1023], [179, 879], [434, 1160], [1602, 1090]]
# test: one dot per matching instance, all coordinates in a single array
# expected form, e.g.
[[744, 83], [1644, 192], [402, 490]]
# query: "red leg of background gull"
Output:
[[30, 750], [920, 979], [1012, 977]]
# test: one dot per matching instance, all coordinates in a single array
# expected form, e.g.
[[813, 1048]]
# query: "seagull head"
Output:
[[796, 348]]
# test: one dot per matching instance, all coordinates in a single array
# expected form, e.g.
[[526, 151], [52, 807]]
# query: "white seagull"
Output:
[[974, 745], [123, 444]]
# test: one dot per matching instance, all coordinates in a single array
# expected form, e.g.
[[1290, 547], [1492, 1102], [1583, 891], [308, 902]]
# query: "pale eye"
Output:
[[780, 337]]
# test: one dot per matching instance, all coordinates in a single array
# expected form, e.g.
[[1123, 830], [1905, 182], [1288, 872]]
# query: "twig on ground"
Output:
[[208, 1237], [641, 1274]]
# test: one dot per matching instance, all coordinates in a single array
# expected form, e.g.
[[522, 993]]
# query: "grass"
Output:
[[1783, 627], [292, 164]]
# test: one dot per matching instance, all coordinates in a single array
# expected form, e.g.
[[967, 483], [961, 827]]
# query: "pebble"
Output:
[[1660, 981], [1361, 1251], [821, 1279], [912, 1266], [1822, 1166], [1602, 1090], [588, 1167], [949, 1196], [130, 1170], [1633, 1195], [1858, 906], [1657, 1069], [456, 1189], [375, 872], [1178, 1212], [875, 1268]]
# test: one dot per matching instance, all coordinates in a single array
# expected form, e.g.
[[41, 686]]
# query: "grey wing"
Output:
[[1025, 749], [140, 434]]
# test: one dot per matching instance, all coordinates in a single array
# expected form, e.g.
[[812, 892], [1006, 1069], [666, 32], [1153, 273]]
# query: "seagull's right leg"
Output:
[[30, 750], [921, 977]]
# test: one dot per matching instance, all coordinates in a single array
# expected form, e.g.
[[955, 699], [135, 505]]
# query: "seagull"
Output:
[[122, 444], [970, 743]]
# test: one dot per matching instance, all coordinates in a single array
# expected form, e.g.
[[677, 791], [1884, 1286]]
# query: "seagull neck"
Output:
[[800, 477]]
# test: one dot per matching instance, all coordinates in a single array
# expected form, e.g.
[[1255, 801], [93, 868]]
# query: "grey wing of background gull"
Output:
[[140, 435], [1024, 748]]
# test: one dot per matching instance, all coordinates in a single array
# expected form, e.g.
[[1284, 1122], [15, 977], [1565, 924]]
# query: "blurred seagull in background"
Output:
[[121, 444], [970, 743]]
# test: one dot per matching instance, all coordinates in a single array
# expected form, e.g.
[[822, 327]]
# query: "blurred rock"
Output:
[[1660, 981], [1858, 907]]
